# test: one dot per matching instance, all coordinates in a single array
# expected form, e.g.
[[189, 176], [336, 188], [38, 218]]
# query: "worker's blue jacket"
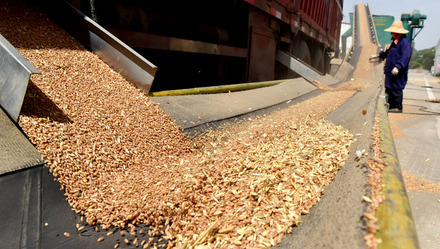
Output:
[[397, 56]]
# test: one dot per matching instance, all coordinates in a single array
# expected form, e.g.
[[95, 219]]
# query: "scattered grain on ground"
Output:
[[414, 183]]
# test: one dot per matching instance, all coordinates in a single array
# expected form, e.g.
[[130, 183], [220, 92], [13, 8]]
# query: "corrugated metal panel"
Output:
[[382, 22], [317, 18]]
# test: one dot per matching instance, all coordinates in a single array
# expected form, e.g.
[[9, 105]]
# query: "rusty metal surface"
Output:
[[262, 56], [151, 41], [318, 19]]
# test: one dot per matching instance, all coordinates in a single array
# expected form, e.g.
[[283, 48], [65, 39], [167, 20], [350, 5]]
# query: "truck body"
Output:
[[200, 43]]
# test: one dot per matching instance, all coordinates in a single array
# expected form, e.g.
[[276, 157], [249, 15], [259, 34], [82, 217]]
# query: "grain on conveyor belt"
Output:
[[121, 160]]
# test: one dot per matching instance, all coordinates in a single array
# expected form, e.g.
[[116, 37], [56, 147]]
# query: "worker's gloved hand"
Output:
[[395, 71]]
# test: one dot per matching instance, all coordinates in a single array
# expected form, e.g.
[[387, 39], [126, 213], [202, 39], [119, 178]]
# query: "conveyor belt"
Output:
[[37, 215], [16, 151], [364, 31]]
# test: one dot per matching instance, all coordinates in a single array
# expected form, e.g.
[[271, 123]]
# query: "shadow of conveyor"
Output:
[[37, 104]]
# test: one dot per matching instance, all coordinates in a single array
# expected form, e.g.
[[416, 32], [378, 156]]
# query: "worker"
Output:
[[397, 55]]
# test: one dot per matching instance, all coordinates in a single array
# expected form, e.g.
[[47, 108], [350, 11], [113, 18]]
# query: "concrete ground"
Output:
[[416, 134]]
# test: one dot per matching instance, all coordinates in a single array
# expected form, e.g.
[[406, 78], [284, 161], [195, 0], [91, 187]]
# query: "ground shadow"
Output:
[[37, 104]]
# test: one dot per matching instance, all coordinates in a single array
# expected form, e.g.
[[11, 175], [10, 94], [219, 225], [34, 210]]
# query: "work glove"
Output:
[[395, 71]]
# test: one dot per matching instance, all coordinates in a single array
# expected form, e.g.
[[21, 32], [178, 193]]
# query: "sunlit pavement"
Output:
[[416, 134]]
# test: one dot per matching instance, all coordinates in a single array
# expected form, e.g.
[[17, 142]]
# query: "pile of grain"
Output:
[[255, 179], [122, 161]]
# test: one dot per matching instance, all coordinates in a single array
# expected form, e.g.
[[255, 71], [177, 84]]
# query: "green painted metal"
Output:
[[381, 22], [414, 23], [349, 31], [397, 228]]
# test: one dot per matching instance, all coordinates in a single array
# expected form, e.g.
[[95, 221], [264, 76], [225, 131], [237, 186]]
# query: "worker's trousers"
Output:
[[395, 98]]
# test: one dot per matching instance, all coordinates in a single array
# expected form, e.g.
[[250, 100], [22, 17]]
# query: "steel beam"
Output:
[[298, 66], [15, 72]]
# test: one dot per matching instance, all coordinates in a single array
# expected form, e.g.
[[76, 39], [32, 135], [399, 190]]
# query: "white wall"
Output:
[[344, 28], [435, 68]]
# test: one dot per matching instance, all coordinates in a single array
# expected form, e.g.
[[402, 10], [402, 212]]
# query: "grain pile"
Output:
[[121, 161], [257, 178]]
